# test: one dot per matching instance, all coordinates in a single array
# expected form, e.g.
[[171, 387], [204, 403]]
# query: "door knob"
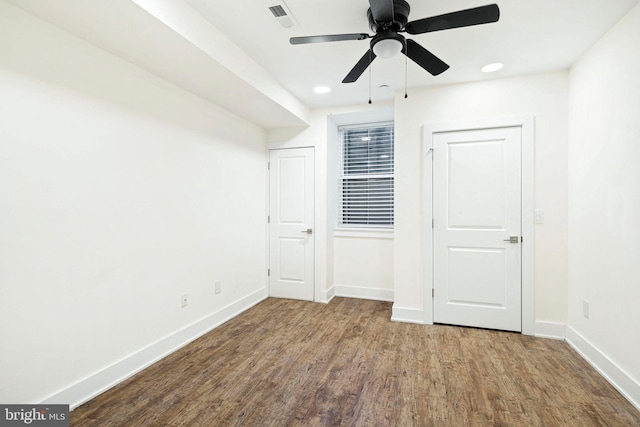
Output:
[[512, 239], [308, 231]]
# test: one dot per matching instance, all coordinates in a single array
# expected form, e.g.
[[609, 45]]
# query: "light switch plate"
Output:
[[539, 217]]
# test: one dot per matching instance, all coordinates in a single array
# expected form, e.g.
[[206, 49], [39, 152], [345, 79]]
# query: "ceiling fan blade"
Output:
[[462, 18], [328, 38], [424, 58], [360, 67], [382, 10]]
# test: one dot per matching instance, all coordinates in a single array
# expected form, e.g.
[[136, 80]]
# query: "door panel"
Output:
[[291, 247], [291, 187], [291, 254], [477, 203], [481, 285], [475, 183]]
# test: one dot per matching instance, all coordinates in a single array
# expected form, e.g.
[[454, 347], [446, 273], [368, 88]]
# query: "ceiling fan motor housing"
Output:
[[401, 11]]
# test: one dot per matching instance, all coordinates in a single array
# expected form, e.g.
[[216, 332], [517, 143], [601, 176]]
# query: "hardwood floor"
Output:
[[293, 363]]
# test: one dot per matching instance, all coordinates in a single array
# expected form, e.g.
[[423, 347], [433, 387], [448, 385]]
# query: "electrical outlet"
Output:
[[184, 300], [218, 287], [585, 308]]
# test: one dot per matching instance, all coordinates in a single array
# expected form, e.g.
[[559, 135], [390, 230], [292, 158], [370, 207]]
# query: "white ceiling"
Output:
[[531, 37], [235, 54], [171, 40]]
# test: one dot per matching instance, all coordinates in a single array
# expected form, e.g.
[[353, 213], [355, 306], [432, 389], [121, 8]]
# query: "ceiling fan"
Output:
[[388, 18]]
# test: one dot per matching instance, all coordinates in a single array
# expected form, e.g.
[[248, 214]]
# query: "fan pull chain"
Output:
[[406, 50], [370, 61]]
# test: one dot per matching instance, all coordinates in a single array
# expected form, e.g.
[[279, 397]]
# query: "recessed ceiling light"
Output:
[[490, 68], [322, 89]]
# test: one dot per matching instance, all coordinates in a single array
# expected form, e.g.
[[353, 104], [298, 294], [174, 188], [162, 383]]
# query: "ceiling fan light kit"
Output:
[[388, 18], [387, 46]]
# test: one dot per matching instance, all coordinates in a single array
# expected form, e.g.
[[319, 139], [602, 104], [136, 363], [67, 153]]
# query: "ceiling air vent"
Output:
[[281, 12]]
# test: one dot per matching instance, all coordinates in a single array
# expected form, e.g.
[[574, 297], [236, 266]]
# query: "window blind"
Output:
[[366, 178]]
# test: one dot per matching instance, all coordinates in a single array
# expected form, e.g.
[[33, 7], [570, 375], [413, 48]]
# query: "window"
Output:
[[366, 178]]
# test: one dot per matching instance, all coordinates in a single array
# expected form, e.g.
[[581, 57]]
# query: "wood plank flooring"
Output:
[[294, 363]]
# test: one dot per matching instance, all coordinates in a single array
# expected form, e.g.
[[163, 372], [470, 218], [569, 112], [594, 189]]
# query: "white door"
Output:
[[291, 195], [477, 228]]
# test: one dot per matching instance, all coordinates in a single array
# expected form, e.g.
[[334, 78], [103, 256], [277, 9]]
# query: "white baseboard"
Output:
[[110, 376], [622, 381], [407, 315], [364, 293], [556, 331], [327, 296]]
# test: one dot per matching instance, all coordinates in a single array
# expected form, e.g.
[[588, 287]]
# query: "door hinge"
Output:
[[268, 219], [268, 166], [433, 292], [269, 272], [433, 223]]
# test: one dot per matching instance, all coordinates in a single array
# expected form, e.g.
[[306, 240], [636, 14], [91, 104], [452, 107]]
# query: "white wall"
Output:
[[363, 265], [115, 198], [543, 96], [604, 205]]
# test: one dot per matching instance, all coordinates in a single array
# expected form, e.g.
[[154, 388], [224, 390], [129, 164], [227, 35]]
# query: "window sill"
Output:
[[370, 233]]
